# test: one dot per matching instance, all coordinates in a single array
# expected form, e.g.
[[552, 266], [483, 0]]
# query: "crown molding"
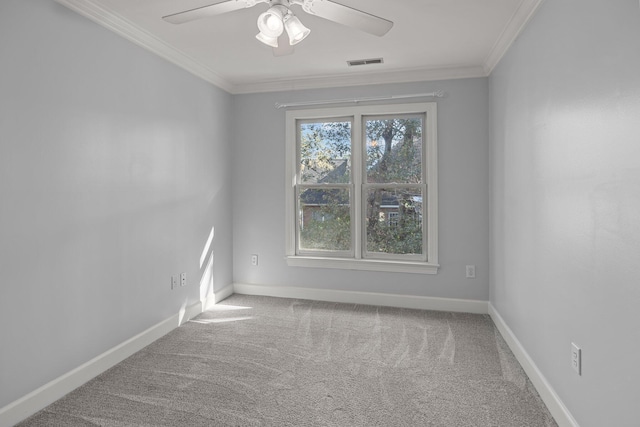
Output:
[[342, 80], [121, 26], [511, 31], [142, 38]]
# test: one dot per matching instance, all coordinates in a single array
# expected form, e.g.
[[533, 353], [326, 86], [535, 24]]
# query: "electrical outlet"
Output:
[[576, 358], [174, 282], [471, 271], [254, 259], [183, 279]]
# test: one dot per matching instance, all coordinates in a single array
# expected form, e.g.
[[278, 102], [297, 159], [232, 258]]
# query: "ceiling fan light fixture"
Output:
[[269, 41], [295, 29], [270, 23], [278, 18]]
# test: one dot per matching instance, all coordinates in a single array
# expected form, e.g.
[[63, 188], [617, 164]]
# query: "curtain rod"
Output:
[[436, 94]]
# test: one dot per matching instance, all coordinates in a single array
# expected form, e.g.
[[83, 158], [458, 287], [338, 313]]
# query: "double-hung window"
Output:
[[361, 188]]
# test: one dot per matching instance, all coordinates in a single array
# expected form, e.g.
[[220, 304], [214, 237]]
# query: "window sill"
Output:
[[363, 264]]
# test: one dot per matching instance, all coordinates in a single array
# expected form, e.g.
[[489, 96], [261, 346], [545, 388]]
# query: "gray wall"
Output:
[[565, 142], [259, 184], [113, 170]]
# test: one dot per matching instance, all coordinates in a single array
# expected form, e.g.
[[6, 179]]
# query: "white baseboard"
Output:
[[54, 390], [368, 298], [218, 296], [557, 408]]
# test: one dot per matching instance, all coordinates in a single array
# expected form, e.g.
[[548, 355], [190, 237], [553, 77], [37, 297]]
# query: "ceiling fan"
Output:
[[279, 18]]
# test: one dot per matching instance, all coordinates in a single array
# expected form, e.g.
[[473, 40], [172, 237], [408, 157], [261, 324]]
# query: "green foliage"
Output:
[[394, 150], [325, 152], [401, 234], [330, 231], [395, 239]]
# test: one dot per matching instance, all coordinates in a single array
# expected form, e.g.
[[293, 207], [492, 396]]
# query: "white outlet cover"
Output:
[[471, 271], [576, 358]]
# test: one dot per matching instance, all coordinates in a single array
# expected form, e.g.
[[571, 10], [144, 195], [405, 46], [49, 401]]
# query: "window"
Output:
[[362, 188]]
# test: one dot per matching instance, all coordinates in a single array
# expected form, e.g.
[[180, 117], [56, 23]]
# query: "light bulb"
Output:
[[270, 23], [273, 22]]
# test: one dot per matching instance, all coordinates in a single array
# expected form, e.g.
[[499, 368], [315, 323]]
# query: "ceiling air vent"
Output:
[[355, 62]]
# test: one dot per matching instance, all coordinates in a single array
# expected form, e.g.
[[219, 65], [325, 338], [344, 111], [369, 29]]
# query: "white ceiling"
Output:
[[430, 39]]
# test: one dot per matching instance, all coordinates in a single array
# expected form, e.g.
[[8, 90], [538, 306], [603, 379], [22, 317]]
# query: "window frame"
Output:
[[358, 185]]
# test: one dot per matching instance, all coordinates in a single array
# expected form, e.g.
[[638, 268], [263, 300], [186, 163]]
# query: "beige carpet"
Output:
[[261, 361]]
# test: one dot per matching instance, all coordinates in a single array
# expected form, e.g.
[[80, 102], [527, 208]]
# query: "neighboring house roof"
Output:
[[338, 173]]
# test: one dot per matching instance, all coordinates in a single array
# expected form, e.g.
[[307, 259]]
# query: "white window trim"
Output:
[[357, 263]]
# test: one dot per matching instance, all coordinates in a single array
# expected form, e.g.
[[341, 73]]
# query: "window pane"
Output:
[[394, 149], [394, 221], [325, 222], [325, 152]]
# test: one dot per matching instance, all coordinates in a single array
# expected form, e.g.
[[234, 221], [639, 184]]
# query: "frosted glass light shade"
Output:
[[270, 23], [269, 41], [296, 31]]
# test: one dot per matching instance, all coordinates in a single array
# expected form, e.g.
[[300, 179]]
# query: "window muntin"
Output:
[[324, 189], [394, 165], [357, 179]]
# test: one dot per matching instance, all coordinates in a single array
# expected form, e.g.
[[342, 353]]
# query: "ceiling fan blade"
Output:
[[350, 17], [284, 48], [210, 10]]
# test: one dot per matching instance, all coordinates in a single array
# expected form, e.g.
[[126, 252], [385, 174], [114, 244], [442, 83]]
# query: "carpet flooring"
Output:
[[262, 361]]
